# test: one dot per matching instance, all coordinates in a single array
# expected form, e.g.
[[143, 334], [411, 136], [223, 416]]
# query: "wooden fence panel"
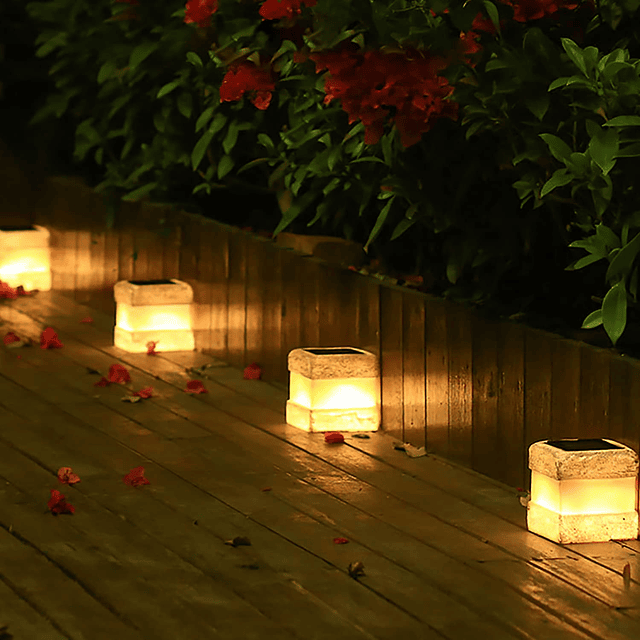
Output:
[[255, 285], [237, 311], [594, 392], [537, 378], [171, 238], [291, 324], [391, 362], [337, 308], [414, 387], [619, 399], [63, 245], [213, 268], [631, 433], [83, 279], [309, 272], [460, 384], [273, 359], [484, 341], [111, 259], [437, 381], [511, 435], [565, 389], [367, 296]]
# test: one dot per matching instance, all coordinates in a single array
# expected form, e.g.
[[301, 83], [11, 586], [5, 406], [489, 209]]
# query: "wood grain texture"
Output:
[[214, 273], [484, 342], [413, 358], [537, 376], [273, 358], [594, 392], [337, 310], [255, 287], [391, 362], [437, 382], [291, 322], [565, 389], [308, 270], [237, 300]]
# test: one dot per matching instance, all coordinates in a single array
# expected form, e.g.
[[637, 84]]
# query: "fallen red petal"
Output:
[[334, 437], [7, 292], [195, 386], [266, 489], [147, 392], [252, 372], [11, 337], [151, 348], [57, 503], [135, 477], [66, 475], [340, 541], [118, 374], [49, 339], [103, 382], [21, 292], [87, 319]]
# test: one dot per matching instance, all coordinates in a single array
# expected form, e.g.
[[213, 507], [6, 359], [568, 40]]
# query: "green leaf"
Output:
[[194, 59], [492, 12], [603, 148], [168, 88], [621, 265], [608, 237], [218, 122], [623, 121], [185, 104], [231, 138], [386, 150], [141, 53], [614, 311], [298, 205], [575, 54], [106, 71], [538, 105], [253, 163], [368, 159], [136, 194], [204, 117], [585, 262], [266, 141], [402, 226], [558, 147], [58, 40], [593, 320], [200, 149], [567, 81], [497, 63], [224, 166], [379, 222], [334, 156], [630, 151], [559, 178]]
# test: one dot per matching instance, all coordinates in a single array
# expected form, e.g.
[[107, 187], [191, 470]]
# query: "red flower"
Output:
[[252, 372], [200, 12], [146, 392], [135, 477], [11, 337], [103, 382], [57, 504], [151, 348], [276, 9], [87, 320], [245, 77], [49, 339], [7, 292], [525, 10], [195, 386], [117, 373], [334, 437], [66, 475]]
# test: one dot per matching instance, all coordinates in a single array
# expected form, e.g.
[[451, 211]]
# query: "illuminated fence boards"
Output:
[[157, 311], [25, 257], [583, 490]]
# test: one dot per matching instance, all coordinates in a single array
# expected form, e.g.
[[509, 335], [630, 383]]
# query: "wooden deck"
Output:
[[445, 551]]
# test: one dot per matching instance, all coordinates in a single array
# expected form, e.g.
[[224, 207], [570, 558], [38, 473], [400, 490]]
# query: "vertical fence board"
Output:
[[414, 390], [337, 304], [594, 392], [631, 434], [125, 253], [511, 404], [367, 295], [484, 341], [187, 257], [291, 323], [437, 381], [309, 273], [391, 364], [214, 272], [619, 399], [64, 260], [460, 384], [273, 359], [537, 399], [565, 389], [237, 299], [255, 295], [111, 259], [83, 265], [171, 244]]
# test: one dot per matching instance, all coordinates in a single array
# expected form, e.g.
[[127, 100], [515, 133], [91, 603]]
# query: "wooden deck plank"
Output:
[[157, 361]]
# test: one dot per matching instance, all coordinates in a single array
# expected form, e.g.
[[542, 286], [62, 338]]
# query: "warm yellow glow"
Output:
[[27, 267], [334, 393], [575, 497], [153, 317]]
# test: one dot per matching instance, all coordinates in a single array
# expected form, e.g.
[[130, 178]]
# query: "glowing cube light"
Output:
[[153, 311], [333, 389], [25, 257], [583, 490]]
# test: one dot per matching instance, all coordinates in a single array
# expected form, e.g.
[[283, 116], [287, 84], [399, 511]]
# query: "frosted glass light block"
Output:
[[583, 490], [25, 257], [157, 311], [333, 389]]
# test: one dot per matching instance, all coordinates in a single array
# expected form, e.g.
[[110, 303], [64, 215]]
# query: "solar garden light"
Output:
[[333, 389], [25, 257], [583, 490], [153, 311]]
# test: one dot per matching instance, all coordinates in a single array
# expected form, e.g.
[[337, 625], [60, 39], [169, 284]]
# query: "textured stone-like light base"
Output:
[[167, 339], [25, 258], [322, 420], [581, 528]]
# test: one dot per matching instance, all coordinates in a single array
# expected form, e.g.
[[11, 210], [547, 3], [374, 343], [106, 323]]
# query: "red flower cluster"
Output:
[[276, 9], [245, 77], [369, 85], [200, 12], [525, 10]]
